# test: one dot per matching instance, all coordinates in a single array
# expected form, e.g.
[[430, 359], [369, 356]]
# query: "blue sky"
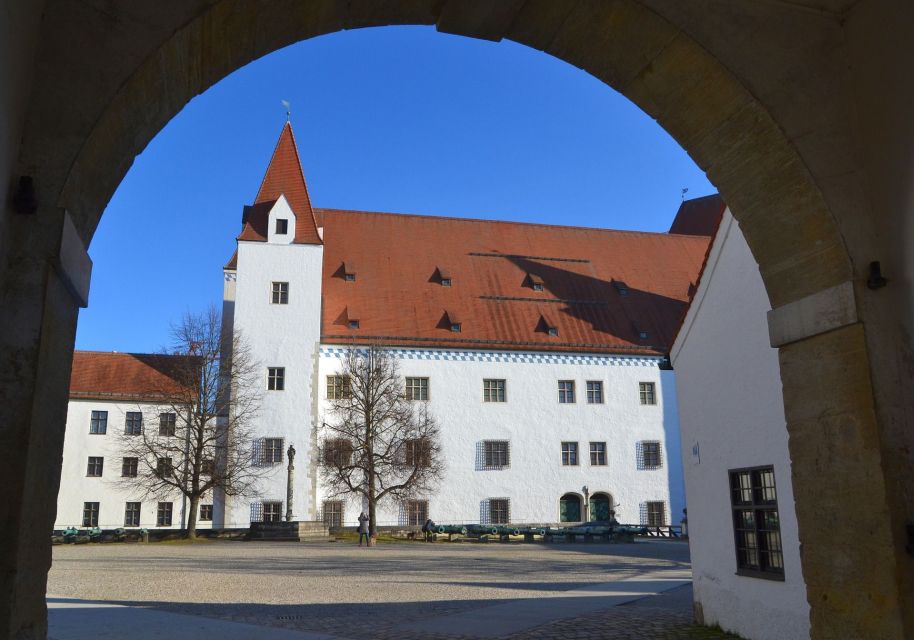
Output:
[[400, 119]]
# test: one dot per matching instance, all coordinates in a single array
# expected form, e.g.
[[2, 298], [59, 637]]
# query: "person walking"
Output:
[[363, 529]]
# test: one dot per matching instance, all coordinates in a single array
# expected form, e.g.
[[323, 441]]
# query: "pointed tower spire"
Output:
[[284, 176]]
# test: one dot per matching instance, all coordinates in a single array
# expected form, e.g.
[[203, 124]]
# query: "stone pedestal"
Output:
[[296, 531]]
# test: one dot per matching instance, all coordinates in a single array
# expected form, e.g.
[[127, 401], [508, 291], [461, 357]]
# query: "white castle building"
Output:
[[540, 349]]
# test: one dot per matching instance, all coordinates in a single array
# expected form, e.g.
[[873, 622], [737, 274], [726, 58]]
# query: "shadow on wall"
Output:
[[673, 463]]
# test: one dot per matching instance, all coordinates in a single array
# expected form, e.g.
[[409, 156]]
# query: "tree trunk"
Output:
[[193, 509]]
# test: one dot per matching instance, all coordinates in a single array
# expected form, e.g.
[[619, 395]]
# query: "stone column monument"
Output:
[[289, 480]]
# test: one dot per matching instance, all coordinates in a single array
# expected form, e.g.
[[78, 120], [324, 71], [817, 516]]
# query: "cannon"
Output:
[[482, 529], [94, 534], [507, 531], [452, 528]]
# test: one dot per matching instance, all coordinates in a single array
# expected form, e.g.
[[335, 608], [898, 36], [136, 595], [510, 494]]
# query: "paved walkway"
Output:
[[233, 590]]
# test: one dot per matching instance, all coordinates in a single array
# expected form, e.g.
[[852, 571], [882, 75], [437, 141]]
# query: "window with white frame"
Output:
[[332, 513], [98, 422], [90, 514], [132, 514], [272, 451], [566, 391], [569, 454], [594, 392], [276, 378], [598, 454], [338, 387], [94, 469], [163, 514], [417, 388], [646, 393], [279, 293], [493, 390]]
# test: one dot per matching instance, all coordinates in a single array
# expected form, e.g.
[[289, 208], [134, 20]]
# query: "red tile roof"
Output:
[[283, 177], [122, 376], [601, 288], [699, 216]]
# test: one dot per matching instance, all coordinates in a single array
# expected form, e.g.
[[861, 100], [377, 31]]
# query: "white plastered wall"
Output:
[[731, 410]]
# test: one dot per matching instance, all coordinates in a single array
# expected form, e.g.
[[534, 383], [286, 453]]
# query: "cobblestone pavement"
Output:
[[348, 592]]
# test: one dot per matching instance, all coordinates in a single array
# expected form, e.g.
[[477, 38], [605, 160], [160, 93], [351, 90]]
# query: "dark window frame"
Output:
[[417, 388], [168, 424], [333, 513], [272, 511], [598, 454], [416, 512], [276, 378], [594, 391], [282, 227], [98, 423], [570, 451], [566, 392], [647, 393], [164, 514], [279, 292], [272, 451], [132, 512], [206, 513], [90, 513], [754, 507], [133, 423], [130, 467], [499, 511], [496, 454], [95, 467]]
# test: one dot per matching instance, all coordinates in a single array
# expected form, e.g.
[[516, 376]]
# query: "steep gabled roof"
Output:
[[699, 216], [107, 375], [283, 177], [491, 264]]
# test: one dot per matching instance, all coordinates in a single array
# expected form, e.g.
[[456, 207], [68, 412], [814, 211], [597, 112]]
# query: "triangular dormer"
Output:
[[284, 177]]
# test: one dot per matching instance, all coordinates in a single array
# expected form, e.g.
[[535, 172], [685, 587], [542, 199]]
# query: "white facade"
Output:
[[109, 490], [732, 417]]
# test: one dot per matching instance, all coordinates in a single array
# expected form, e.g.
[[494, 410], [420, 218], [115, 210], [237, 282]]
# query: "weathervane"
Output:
[[685, 190], [288, 106]]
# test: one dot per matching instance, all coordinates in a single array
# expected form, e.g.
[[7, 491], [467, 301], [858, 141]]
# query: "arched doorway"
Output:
[[600, 506], [706, 96], [570, 508]]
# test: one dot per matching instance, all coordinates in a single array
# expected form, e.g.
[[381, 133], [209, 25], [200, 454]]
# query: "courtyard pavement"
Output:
[[285, 591]]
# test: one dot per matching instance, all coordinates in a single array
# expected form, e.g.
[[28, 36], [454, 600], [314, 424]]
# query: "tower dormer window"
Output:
[[282, 226]]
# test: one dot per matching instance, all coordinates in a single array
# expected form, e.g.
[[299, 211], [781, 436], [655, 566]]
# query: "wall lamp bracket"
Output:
[[876, 280]]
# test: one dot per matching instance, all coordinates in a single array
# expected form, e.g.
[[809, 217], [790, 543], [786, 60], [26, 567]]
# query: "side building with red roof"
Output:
[[115, 397], [541, 350]]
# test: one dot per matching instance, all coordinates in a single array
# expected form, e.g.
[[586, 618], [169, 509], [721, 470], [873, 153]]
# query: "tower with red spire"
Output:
[[272, 293]]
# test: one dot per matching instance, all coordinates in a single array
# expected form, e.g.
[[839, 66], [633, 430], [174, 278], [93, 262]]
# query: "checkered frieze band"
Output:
[[509, 356]]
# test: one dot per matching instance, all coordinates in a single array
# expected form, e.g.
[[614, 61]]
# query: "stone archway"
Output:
[[131, 76]]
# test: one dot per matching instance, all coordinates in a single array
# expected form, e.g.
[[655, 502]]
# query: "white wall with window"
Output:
[[95, 487], [737, 466], [509, 434]]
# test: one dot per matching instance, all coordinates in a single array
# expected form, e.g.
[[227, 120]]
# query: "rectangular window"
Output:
[[594, 392], [132, 514], [163, 514], [653, 514], [416, 512], [280, 293], [167, 424], [493, 390], [272, 451], [756, 525], [98, 423], [130, 467], [272, 511], [338, 388], [649, 455], [497, 454], [134, 424], [598, 454], [276, 378], [332, 513], [566, 391], [499, 511], [418, 453], [337, 452], [570, 454], [163, 467], [282, 226], [417, 388], [90, 514], [95, 466], [206, 513], [646, 392]]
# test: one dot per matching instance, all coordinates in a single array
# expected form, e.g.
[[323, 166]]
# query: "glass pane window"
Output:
[[130, 467], [416, 512], [594, 392], [569, 453], [649, 455], [499, 511], [272, 511], [276, 378], [94, 469], [134, 424], [497, 454], [206, 513], [272, 450], [646, 393], [418, 453], [132, 514], [98, 422], [338, 388], [167, 424], [493, 390], [279, 293], [756, 523], [333, 513], [598, 453], [163, 467], [90, 514], [163, 514], [417, 388], [566, 391], [654, 514]]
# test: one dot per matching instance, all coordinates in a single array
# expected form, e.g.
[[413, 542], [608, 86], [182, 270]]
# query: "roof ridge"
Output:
[[488, 220]]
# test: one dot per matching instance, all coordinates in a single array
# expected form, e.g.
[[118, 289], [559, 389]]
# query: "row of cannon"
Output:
[[607, 532]]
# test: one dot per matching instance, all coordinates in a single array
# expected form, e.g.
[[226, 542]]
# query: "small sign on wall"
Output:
[[696, 453]]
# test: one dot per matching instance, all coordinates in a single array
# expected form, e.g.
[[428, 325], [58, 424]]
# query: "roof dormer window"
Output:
[[621, 287], [535, 282], [553, 331], [453, 321], [349, 271], [547, 325], [352, 317], [445, 282], [642, 335], [282, 226], [537, 286], [456, 327], [442, 276], [353, 324]]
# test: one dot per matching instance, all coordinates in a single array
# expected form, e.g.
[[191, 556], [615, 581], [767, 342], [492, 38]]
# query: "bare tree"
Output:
[[377, 442], [197, 434]]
